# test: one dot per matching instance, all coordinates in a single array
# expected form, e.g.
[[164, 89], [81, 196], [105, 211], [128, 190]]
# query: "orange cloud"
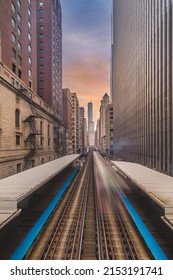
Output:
[[89, 78]]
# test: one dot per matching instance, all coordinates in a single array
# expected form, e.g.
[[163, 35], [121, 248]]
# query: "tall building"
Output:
[[81, 128], [109, 130], [75, 123], [91, 133], [67, 117], [49, 48], [30, 132], [85, 135], [97, 134], [90, 112], [18, 40], [103, 109], [142, 82]]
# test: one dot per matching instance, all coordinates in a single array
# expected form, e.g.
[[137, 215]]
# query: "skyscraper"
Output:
[[103, 109], [91, 133], [49, 47], [142, 82], [18, 46], [67, 117], [81, 128], [90, 112], [75, 123]]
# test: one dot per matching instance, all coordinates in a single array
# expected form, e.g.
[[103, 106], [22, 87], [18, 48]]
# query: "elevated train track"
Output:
[[91, 221]]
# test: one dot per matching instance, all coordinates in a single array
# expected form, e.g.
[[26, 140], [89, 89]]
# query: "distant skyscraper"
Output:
[[85, 134], [67, 117], [143, 82], [103, 109], [91, 133], [109, 130], [81, 128], [75, 123], [90, 112]]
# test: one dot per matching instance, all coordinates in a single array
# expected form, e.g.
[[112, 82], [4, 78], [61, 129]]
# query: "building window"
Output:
[[30, 84], [19, 45], [29, 12], [17, 118], [19, 60], [13, 22], [41, 60], [29, 36], [30, 73], [41, 141], [29, 2], [41, 128], [19, 32], [41, 4], [48, 141], [17, 84], [48, 130], [19, 167], [29, 60], [29, 48], [18, 4], [19, 17], [14, 68], [19, 73], [29, 24], [14, 53], [17, 139], [41, 36], [12, 81], [13, 38], [13, 7]]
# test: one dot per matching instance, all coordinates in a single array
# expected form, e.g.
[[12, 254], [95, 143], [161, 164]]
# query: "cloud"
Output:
[[86, 49]]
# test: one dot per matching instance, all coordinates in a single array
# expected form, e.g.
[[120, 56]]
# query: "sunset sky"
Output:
[[86, 49]]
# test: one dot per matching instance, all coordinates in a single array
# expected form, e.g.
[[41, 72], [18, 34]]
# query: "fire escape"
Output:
[[60, 140], [31, 139]]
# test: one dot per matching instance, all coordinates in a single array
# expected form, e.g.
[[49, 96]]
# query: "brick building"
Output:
[[49, 47], [31, 132]]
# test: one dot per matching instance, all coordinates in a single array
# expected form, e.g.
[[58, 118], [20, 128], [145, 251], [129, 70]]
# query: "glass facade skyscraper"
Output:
[[142, 82], [91, 133]]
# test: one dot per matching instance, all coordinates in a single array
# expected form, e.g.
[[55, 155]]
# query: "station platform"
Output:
[[156, 185], [16, 188]]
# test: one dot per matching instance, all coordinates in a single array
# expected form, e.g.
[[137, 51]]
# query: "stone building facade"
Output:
[[103, 109], [29, 130]]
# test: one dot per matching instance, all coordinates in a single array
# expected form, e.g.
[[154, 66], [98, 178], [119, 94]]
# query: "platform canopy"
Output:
[[18, 187]]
